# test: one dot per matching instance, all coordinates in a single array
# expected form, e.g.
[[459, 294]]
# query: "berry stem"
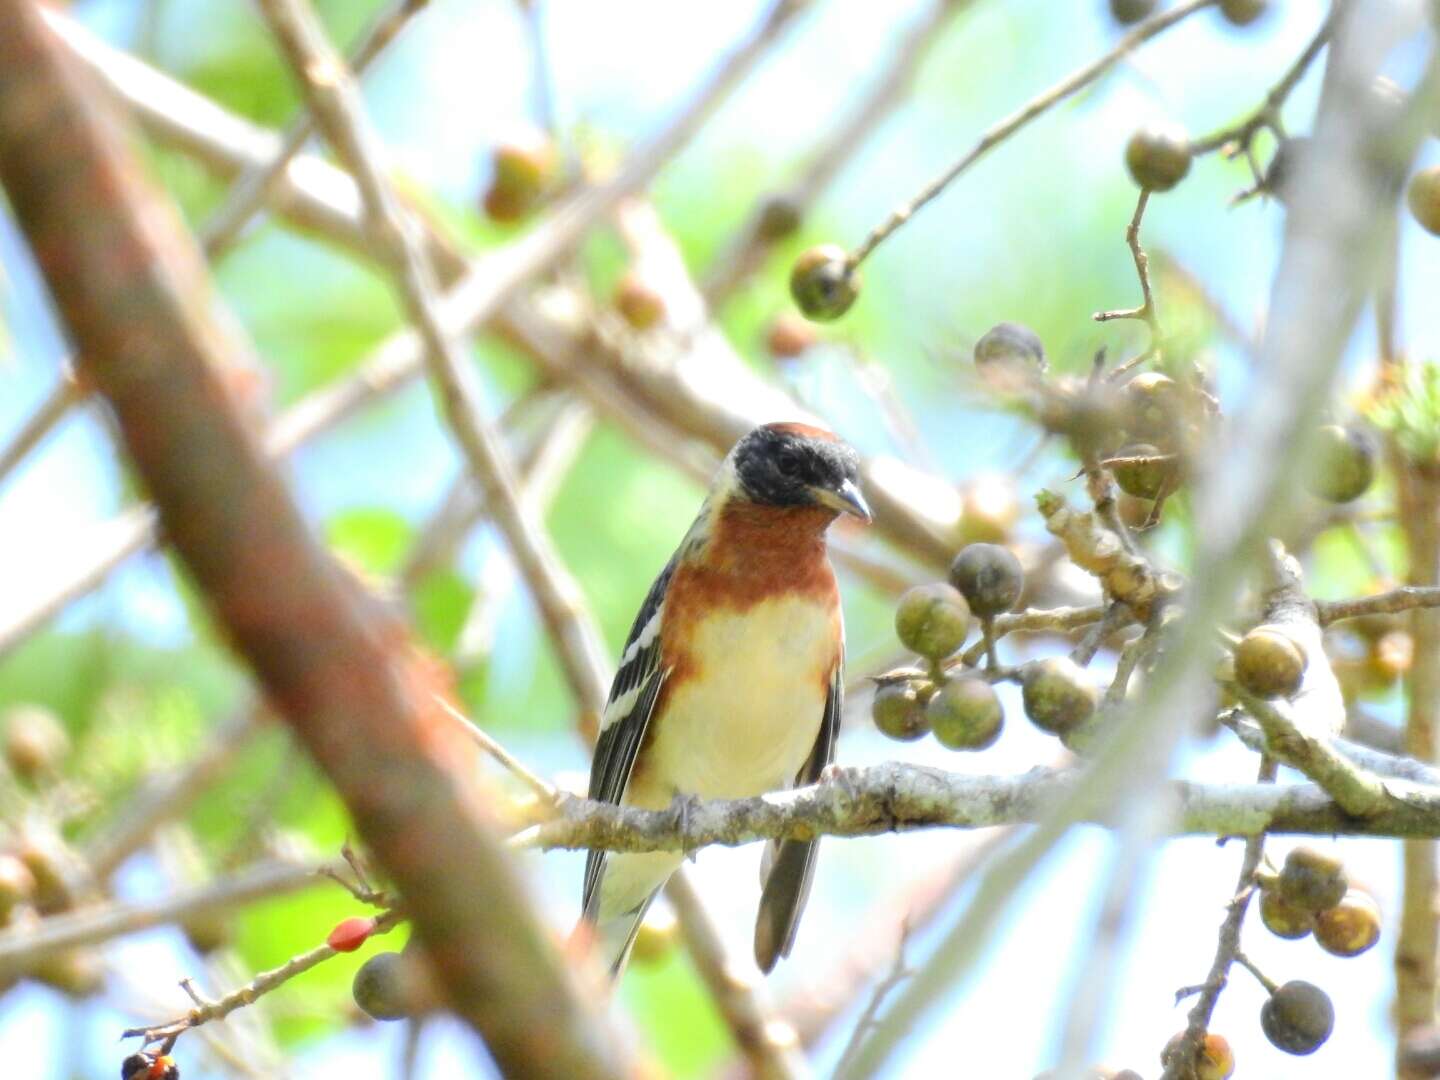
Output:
[[1009, 125], [1264, 980]]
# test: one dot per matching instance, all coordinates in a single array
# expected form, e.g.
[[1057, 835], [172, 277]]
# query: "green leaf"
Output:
[[373, 537]]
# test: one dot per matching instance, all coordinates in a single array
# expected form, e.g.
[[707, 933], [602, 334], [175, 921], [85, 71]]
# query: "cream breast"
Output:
[[743, 722]]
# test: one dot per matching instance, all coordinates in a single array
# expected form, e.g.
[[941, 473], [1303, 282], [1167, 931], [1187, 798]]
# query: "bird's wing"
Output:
[[791, 864], [627, 715]]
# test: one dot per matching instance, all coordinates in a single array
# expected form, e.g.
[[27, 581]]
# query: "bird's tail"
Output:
[[623, 895], [615, 938]]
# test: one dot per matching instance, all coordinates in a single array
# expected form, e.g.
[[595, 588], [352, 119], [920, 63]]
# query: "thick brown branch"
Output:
[[134, 297]]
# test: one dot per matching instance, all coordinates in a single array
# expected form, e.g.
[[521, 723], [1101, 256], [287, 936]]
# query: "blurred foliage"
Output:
[[1411, 413]]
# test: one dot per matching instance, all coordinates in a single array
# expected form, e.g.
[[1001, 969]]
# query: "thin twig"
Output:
[[1037, 105], [267, 981], [1228, 944], [754, 239], [1061, 620], [21, 948], [256, 186], [1268, 112], [336, 104], [536, 783], [1147, 312], [53, 408], [1405, 598], [1117, 616], [897, 974]]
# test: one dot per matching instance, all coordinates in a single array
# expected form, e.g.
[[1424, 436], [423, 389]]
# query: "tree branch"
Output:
[[897, 797], [23, 947], [1003, 129], [337, 666]]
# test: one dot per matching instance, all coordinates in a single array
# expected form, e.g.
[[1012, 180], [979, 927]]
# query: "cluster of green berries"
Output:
[[1312, 895], [1141, 430], [38, 867], [961, 708]]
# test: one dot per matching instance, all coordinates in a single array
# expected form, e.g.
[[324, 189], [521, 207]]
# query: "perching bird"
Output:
[[731, 681]]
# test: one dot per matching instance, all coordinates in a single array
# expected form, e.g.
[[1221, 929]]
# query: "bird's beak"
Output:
[[846, 499]]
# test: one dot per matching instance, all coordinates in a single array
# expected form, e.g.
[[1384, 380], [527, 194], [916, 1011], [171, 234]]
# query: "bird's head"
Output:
[[795, 465]]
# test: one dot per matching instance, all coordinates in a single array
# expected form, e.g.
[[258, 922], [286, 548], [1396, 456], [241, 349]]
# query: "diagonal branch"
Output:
[[335, 665], [335, 103]]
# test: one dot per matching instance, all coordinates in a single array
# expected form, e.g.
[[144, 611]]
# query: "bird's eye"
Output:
[[788, 463]]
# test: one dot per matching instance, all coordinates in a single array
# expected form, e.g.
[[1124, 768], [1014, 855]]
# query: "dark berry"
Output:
[[989, 577], [1298, 1017]]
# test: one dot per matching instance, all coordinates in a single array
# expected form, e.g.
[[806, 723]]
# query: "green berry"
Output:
[[638, 303], [525, 165], [17, 885], [1214, 1060], [1312, 880], [1143, 479], [1057, 695], [1242, 12], [1152, 405], [1350, 927], [989, 577], [1008, 355], [1282, 918], [823, 283], [379, 987], [779, 217], [1424, 199], [1158, 157], [899, 712], [1126, 12], [1269, 663], [36, 743], [789, 336], [965, 714], [1344, 464], [1298, 1017], [932, 620]]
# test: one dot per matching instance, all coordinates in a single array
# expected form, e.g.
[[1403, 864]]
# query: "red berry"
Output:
[[349, 934]]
